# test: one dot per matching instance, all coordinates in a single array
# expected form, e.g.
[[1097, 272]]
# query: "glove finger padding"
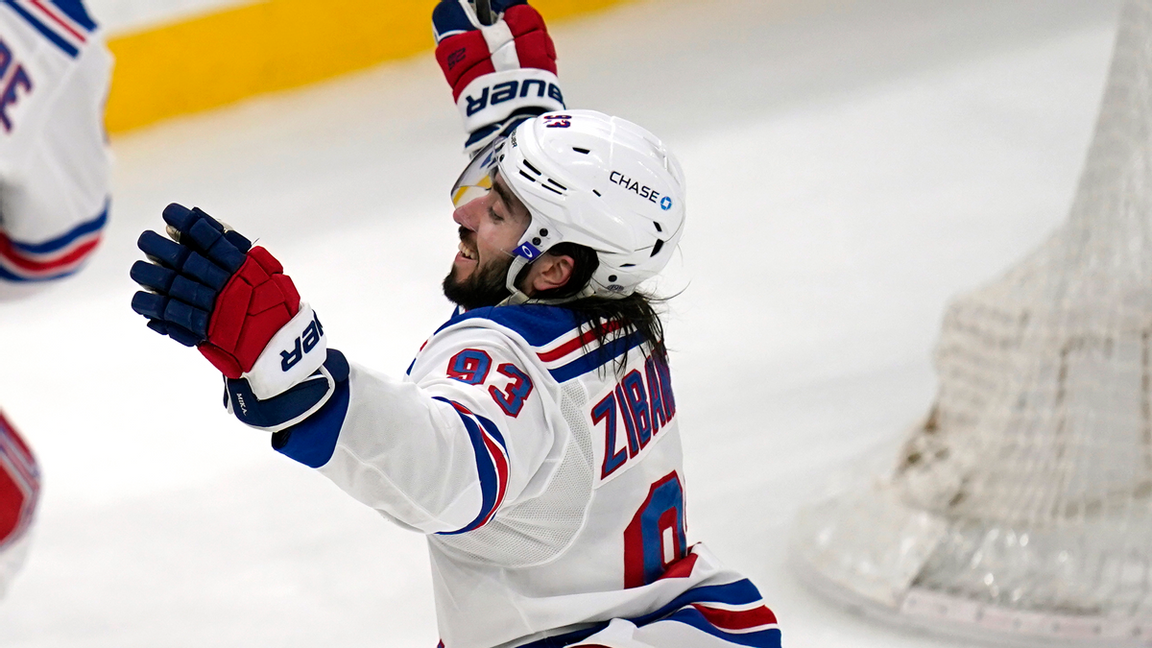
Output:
[[201, 233], [212, 289], [257, 301]]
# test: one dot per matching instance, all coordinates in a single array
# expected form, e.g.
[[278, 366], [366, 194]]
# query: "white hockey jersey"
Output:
[[55, 167], [544, 464]]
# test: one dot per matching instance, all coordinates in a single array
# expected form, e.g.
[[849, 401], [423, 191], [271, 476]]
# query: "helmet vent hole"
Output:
[[532, 168], [555, 191], [557, 184], [628, 265], [581, 150], [597, 193], [530, 178], [656, 248], [612, 278], [658, 228]]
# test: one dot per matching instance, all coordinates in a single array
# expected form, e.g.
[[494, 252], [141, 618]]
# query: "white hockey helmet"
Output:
[[590, 179]]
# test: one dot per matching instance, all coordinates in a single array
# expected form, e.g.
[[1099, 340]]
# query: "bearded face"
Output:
[[476, 283]]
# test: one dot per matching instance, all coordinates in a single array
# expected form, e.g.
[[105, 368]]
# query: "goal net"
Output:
[[1021, 507]]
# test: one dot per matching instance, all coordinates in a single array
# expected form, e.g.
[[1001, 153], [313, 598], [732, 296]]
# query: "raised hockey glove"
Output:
[[209, 287], [500, 74]]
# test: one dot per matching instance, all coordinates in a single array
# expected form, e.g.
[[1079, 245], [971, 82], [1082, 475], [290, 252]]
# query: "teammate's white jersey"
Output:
[[54, 159], [547, 475]]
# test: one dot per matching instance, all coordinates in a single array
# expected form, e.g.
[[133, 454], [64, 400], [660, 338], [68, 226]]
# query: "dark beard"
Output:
[[485, 287]]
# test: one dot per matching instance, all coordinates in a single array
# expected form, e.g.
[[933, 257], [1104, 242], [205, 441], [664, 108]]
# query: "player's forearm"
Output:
[[404, 452], [395, 448], [55, 164]]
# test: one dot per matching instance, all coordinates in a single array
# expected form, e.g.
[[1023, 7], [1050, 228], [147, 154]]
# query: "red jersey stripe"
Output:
[[32, 265], [736, 619], [576, 343], [59, 20]]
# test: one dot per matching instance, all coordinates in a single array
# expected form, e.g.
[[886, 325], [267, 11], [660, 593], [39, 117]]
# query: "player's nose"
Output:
[[468, 214]]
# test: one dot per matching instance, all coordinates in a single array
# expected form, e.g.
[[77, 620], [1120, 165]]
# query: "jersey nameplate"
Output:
[[628, 418]]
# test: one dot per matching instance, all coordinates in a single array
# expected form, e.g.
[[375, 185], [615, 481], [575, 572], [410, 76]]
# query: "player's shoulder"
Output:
[[556, 338], [536, 324]]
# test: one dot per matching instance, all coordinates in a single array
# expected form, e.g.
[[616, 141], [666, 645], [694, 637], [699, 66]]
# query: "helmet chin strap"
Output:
[[517, 297]]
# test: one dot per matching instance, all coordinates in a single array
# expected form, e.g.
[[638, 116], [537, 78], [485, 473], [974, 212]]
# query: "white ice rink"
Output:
[[851, 166]]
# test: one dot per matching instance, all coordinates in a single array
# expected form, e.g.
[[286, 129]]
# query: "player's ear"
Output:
[[549, 272]]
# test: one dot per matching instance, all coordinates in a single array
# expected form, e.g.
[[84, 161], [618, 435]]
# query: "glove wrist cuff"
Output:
[[295, 352], [493, 98]]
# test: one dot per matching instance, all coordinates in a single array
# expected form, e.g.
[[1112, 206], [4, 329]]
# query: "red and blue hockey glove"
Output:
[[500, 74], [209, 288]]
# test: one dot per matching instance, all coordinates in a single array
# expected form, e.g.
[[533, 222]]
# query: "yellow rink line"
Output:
[[218, 58]]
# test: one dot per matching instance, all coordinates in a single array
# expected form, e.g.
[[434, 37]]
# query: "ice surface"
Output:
[[851, 166]]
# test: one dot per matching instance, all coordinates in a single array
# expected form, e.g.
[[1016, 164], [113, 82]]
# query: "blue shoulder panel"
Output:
[[539, 324]]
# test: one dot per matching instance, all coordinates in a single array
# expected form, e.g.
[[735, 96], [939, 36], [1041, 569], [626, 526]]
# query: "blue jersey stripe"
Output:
[[759, 639], [75, 10], [65, 46], [8, 275], [485, 467], [597, 358], [742, 592], [62, 241], [539, 324]]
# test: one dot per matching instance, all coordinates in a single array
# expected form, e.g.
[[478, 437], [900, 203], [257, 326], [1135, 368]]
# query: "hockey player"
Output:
[[54, 188], [534, 438]]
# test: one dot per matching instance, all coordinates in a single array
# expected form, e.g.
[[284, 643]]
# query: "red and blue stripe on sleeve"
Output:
[[733, 612], [52, 259], [491, 464]]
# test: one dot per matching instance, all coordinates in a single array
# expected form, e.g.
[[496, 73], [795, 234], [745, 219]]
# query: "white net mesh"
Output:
[[1023, 504]]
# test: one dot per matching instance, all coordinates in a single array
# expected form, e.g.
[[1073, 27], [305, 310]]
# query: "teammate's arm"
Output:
[[54, 160]]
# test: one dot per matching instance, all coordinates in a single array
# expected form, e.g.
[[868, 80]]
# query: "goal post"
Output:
[[1020, 509]]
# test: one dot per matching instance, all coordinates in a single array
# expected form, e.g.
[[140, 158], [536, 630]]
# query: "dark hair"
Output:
[[634, 314]]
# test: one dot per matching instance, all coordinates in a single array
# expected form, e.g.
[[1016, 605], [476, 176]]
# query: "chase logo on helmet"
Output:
[[635, 187], [665, 203]]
